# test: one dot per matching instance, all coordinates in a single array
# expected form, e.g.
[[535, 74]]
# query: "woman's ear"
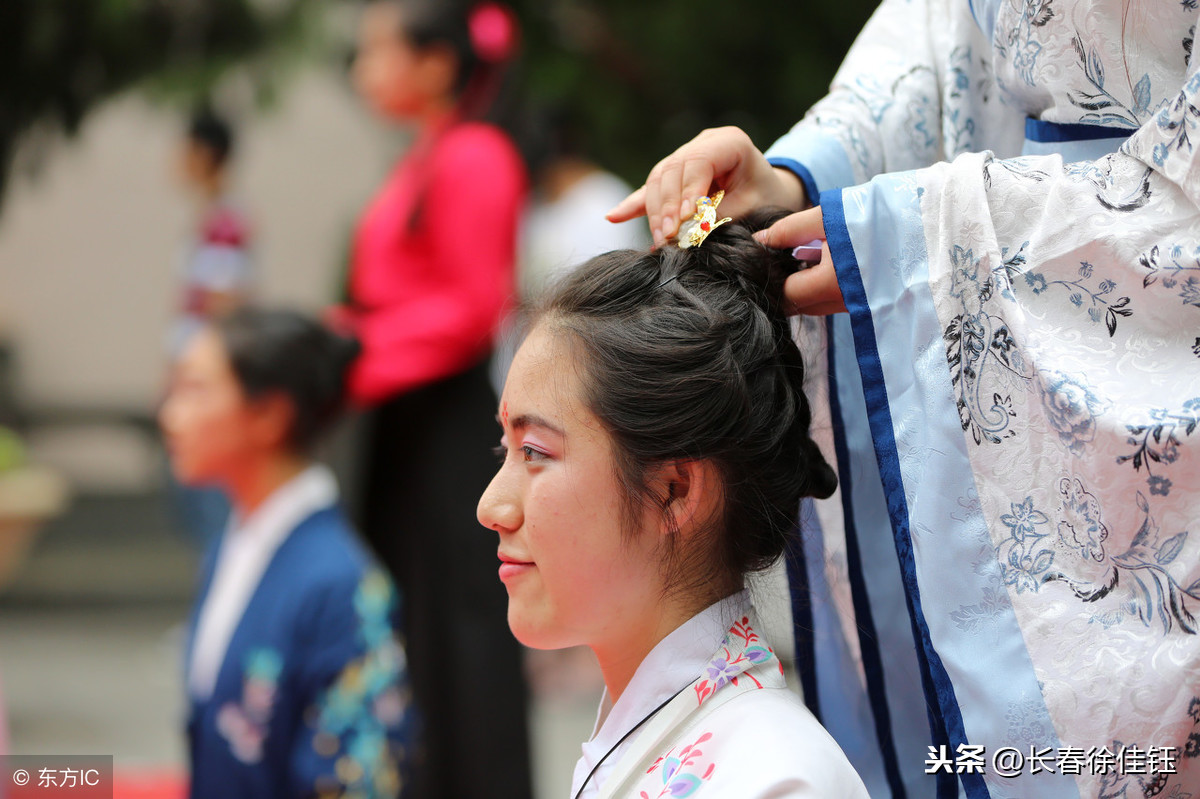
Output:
[[438, 70], [691, 495], [274, 417]]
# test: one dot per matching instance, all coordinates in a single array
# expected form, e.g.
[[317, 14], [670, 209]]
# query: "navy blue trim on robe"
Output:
[[1056, 132], [946, 715]]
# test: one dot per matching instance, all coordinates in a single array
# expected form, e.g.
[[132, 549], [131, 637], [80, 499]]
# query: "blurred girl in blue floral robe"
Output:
[[296, 683]]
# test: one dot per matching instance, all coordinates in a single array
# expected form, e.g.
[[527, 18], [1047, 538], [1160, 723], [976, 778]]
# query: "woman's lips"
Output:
[[510, 568]]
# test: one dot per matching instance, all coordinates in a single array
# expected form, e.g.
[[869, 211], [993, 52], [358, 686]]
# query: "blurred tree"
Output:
[[60, 58], [639, 79]]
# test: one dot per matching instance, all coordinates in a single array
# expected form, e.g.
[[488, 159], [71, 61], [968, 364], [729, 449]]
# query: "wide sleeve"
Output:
[[917, 87], [357, 725], [470, 215], [1028, 335]]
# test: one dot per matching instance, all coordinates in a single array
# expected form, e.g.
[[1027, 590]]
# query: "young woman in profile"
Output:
[[296, 684], [656, 449]]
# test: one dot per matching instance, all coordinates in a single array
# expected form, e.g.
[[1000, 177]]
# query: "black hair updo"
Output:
[[285, 352], [687, 354]]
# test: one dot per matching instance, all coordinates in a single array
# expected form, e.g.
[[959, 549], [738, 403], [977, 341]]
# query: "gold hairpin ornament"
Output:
[[704, 221]]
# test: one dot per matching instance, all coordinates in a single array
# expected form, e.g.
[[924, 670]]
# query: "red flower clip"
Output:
[[494, 32]]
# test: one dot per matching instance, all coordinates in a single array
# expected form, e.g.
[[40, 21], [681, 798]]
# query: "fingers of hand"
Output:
[[815, 291], [697, 179], [670, 190], [653, 205], [687, 174], [631, 207], [794, 229]]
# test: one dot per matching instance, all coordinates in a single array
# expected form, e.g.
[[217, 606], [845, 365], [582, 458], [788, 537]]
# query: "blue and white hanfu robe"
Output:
[[297, 684], [1011, 195]]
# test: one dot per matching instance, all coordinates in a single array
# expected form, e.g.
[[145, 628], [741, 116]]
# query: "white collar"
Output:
[[311, 490], [246, 551], [673, 664]]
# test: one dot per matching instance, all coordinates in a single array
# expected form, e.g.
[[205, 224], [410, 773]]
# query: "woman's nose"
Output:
[[500, 508]]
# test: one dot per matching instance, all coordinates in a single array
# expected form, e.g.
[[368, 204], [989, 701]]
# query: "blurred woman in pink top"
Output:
[[431, 276]]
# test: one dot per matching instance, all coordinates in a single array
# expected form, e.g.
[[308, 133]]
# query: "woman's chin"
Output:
[[194, 477], [185, 475], [533, 634]]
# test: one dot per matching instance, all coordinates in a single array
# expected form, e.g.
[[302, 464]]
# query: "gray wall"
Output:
[[89, 245]]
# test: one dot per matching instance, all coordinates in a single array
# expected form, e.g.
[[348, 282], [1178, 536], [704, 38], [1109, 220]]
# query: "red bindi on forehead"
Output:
[[504, 413]]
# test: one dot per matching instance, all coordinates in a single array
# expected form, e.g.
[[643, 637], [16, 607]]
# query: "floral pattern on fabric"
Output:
[[244, 725], [1067, 346], [752, 737], [368, 699], [1159, 442], [682, 772], [1063, 288], [1179, 268], [741, 650], [1044, 46], [1002, 400]]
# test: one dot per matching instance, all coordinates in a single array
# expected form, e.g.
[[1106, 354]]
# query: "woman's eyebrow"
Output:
[[533, 420]]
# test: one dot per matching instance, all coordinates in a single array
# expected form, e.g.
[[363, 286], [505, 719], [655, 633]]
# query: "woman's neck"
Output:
[[211, 188], [435, 116], [620, 658], [257, 480]]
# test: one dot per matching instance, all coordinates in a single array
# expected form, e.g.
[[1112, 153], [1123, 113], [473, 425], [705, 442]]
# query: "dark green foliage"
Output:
[[59, 58], [640, 78]]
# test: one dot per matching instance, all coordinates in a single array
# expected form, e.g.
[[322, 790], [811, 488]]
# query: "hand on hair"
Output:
[[723, 158], [813, 291]]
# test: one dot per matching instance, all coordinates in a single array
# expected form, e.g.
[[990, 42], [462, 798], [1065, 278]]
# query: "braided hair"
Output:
[[687, 354]]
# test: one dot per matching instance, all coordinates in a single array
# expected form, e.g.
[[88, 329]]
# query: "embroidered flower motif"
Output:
[[759, 654], [263, 667], [1025, 57], [1023, 520], [1081, 526], [740, 651], [1024, 562], [245, 738], [1026, 723], [245, 725], [1159, 485], [373, 602], [680, 773], [1036, 281], [1071, 408], [1190, 291], [720, 672], [964, 276], [369, 699]]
